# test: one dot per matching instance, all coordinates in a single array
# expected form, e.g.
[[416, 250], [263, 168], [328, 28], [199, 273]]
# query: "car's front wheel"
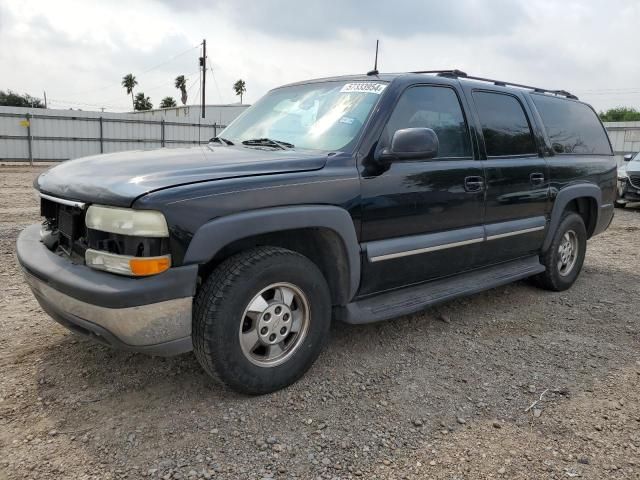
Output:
[[260, 319]]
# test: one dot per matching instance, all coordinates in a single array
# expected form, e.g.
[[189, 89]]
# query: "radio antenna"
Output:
[[375, 63]]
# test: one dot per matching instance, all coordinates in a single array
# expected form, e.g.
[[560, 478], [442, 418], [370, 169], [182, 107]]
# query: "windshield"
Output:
[[317, 116]]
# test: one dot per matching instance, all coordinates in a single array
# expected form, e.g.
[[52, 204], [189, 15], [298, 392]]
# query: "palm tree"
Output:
[[168, 102], [142, 103], [128, 82], [240, 88], [181, 84]]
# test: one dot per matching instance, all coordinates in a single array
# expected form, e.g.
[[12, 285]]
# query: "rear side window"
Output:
[[572, 126], [505, 126], [437, 108]]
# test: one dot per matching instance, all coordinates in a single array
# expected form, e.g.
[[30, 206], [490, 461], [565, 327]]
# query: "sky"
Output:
[[78, 51]]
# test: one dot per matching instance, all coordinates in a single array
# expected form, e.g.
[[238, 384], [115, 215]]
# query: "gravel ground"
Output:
[[442, 394]]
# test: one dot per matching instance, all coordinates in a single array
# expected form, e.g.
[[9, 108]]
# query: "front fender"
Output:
[[211, 237]]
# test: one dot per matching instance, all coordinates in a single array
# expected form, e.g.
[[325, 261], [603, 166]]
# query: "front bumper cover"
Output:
[[151, 314]]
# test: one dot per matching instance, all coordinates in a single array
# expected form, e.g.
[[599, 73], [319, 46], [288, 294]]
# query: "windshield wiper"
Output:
[[268, 142], [221, 140]]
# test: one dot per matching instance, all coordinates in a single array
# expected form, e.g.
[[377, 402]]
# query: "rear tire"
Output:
[[565, 256], [261, 319]]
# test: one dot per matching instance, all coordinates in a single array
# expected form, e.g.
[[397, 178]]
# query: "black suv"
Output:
[[358, 198]]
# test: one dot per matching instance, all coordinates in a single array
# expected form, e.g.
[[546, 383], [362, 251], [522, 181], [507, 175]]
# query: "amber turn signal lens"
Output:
[[149, 266]]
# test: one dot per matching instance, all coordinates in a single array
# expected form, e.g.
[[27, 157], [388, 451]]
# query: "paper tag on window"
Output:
[[364, 87]]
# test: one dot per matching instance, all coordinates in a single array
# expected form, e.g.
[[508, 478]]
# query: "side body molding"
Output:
[[564, 196], [214, 235]]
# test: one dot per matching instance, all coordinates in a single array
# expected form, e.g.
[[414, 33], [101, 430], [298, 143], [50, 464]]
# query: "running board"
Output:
[[417, 298]]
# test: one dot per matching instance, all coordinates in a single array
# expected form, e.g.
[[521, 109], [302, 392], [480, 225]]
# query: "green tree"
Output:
[[181, 84], [13, 99], [141, 102], [168, 102], [620, 114], [240, 88], [128, 82]]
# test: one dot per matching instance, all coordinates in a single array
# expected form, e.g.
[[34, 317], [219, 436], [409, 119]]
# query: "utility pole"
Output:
[[45, 98], [203, 64]]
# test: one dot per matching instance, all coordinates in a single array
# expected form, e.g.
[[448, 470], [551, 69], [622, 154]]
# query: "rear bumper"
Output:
[[151, 315]]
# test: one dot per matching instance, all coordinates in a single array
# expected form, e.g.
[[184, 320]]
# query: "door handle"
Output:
[[473, 184], [536, 178]]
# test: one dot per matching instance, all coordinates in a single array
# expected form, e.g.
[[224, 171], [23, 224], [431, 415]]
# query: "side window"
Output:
[[572, 126], [437, 108], [505, 126]]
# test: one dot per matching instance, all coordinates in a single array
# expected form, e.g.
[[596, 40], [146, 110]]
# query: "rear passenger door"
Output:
[[516, 176]]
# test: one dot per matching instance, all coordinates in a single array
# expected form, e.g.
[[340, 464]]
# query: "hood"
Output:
[[119, 178], [633, 167]]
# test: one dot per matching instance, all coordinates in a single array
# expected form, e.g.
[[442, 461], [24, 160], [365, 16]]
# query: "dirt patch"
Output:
[[441, 394]]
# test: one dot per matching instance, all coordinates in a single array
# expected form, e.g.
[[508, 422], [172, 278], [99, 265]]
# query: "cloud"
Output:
[[79, 51], [319, 20]]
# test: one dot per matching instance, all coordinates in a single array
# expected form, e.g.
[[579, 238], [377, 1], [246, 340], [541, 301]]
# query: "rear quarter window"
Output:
[[573, 127]]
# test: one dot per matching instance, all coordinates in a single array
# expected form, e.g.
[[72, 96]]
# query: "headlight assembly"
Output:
[[127, 221], [127, 241]]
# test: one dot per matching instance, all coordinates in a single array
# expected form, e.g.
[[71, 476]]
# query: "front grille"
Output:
[[66, 225], [634, 180]]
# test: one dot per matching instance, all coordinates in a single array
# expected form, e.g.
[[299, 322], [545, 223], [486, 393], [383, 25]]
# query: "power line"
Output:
[[170, 59], [215, 82], [113, 87]]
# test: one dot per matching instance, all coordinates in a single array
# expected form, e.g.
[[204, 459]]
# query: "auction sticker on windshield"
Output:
[[364, 87]]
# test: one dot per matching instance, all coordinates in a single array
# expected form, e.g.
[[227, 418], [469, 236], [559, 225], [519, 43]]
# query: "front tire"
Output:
[[261, 319], [564, 258]]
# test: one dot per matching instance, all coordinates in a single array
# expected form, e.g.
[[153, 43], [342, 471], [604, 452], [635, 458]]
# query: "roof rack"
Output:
[[460, 74]]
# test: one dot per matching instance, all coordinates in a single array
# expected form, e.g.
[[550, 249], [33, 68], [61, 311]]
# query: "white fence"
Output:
[[625, 138], [37, 135]]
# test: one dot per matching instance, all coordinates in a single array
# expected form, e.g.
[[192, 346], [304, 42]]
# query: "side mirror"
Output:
[[628, 157], [411, 144]]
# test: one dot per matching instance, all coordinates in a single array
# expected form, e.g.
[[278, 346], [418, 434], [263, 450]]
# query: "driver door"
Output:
[[423, 219]]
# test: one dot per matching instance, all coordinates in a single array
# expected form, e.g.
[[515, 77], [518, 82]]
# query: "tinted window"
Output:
[[504, 125], [572, 126], [437, 108]]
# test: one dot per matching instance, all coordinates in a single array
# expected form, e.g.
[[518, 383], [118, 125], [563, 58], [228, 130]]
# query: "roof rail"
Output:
[[460, 74]]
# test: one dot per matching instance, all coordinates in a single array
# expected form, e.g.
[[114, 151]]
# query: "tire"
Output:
[[619, 204], [562, 270], [281, 336]]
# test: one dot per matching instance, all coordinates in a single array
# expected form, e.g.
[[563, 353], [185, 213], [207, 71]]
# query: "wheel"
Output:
[[261, 319], [619, 204], [564, 258]]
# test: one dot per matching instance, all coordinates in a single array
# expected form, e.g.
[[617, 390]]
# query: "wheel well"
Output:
[[322, 246], [587, 208]]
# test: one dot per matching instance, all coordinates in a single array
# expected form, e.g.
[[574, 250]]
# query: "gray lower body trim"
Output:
[[417, 244], [162, 328], [495, 231]]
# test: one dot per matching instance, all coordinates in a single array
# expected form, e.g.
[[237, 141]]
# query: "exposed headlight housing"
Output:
[[127, 221], [140, 227]]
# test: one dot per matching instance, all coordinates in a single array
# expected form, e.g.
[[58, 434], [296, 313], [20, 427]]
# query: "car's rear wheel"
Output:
[[260, 319], [564, 258]]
